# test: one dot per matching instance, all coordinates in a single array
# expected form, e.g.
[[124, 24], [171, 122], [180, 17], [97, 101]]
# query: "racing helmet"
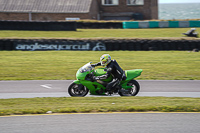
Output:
[[105, 59]]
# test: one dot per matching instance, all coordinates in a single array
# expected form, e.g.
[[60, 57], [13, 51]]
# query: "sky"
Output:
[[179, 1]]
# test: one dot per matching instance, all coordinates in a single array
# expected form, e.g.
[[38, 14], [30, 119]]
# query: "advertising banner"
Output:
[[71, 45]]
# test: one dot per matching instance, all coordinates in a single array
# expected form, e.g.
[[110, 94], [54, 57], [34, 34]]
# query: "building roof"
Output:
[[46, 6]]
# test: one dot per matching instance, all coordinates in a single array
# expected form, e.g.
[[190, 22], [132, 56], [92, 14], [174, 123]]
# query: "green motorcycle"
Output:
[[84, 83]]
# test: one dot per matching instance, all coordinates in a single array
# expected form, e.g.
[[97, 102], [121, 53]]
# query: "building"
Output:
[[58, 10]]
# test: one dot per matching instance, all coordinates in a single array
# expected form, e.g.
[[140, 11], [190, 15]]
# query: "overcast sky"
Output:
[[179, 1]]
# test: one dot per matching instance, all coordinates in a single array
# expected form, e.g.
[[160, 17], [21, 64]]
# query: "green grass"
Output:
[[98, 33], [62, 65], [97, 104]]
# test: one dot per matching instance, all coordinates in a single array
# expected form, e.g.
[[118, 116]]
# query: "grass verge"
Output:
[[97, 104], [99, 33], [62, 65]]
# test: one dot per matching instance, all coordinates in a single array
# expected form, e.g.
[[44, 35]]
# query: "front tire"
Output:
[[132, 91], [76, 90]]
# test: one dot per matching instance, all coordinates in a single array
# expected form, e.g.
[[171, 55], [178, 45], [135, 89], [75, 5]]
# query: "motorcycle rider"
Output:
[[113, 69]]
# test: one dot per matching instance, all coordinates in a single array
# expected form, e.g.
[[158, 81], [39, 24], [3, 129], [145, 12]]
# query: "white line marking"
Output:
[[46, 86]]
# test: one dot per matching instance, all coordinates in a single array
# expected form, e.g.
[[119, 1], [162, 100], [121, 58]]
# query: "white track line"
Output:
[[46, 86]]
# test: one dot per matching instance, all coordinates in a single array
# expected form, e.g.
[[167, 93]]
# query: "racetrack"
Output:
[[58, 88], [103, 123], [149, 122]]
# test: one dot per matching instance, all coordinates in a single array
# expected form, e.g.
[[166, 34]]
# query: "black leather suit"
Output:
[[113, 69]]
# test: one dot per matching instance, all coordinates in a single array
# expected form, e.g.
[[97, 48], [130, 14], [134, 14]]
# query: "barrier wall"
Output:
[[160, 24], [59, 26], [99, 25], [43, 26], [71, 26], [98, 45]]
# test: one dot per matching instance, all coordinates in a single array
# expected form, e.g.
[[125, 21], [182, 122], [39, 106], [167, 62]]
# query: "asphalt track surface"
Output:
[[103, 123], [58, 88]]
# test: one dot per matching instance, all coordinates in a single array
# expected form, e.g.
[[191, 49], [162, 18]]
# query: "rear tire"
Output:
[[132, 91], [76, 91]]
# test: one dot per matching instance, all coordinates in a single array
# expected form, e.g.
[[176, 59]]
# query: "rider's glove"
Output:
[[93, 65], [95, 78]]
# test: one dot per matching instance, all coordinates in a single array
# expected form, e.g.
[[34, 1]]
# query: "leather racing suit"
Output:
[[113, 69]]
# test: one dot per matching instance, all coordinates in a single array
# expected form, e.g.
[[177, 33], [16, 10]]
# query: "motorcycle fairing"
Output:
[[94, 86]]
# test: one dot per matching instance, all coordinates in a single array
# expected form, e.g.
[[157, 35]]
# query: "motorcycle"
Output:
[[85, 83]]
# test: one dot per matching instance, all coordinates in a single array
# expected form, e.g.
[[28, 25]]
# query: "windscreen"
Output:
[[86, 68]]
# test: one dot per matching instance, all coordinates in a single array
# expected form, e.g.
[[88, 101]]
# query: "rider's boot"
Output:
[[110, 92]]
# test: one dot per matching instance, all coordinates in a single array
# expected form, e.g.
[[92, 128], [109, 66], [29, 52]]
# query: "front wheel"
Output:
[[132, 91], [77, 90]]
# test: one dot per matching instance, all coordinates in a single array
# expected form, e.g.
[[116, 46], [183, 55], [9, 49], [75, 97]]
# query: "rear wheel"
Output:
[[132, 91], [77, 90]]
